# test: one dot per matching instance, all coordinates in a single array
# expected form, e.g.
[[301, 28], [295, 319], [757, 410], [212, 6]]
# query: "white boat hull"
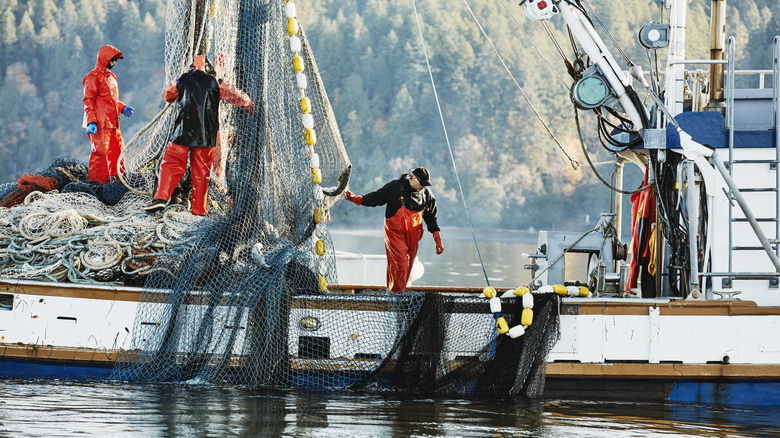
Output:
[[603, 342]]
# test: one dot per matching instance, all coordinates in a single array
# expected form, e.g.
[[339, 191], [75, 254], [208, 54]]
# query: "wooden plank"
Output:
[[555, 370], [58, 354], [672, 308], [68, 290], [579, 306]]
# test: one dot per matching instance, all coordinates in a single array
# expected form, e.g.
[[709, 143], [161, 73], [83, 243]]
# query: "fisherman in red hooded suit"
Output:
[[101, 115]]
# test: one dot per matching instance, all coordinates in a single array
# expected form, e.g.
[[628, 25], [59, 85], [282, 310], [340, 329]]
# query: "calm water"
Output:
[[46, 409], [67, 409]]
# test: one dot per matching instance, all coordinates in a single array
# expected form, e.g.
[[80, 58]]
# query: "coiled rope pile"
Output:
[[46, 238]]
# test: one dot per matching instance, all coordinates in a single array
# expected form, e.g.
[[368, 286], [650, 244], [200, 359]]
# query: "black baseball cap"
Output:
[[423, 176]]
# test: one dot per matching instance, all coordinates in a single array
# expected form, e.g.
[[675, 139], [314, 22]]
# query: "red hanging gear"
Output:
[[642, 218], [27, 184]]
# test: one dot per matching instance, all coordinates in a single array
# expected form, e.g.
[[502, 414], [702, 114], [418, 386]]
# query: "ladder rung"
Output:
[[754, 161], [758, 219], [750, 248], [759, 189]]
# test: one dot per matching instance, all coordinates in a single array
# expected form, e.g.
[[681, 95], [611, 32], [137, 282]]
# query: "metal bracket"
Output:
[[727, 295], [726, 283], [729, 196]]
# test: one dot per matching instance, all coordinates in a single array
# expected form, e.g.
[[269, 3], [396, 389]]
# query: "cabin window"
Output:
[[6, 301]]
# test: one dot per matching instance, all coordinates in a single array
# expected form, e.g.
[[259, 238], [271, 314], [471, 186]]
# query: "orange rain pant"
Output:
[[107, 145], [403, 232], [173, 167]]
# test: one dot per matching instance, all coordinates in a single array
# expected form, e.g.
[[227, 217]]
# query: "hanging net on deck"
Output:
[[216, 304], [450, 349]]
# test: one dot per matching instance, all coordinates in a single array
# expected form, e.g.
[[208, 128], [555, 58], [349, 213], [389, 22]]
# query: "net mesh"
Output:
[[231, 278], [450, 349], [242, 295]]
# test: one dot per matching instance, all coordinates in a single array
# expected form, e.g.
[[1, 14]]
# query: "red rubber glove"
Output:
[[437, 239], [349, 196]]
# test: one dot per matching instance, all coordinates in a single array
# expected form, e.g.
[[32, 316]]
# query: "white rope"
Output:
[[87, 239]]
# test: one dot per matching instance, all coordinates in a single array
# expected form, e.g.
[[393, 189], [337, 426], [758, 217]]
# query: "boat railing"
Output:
[[729, 94]]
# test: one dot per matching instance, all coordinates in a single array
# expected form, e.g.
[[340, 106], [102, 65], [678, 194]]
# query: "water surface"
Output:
[[67, 409]]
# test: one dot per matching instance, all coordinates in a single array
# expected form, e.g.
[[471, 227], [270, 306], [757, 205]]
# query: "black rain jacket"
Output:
[[399, 193]]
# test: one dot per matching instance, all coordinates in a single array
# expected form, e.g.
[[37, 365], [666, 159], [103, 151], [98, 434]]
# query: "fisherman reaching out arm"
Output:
[[409, 201]]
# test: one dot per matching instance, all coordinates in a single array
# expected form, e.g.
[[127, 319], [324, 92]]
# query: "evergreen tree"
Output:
[[7, 28]]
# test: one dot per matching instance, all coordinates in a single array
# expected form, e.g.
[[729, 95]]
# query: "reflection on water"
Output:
[[32, 409]]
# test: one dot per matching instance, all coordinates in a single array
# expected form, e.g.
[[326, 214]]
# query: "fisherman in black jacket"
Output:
[[409, 202], [197, 94]]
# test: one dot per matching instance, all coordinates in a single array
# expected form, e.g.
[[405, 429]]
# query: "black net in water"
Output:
[[452, 348]]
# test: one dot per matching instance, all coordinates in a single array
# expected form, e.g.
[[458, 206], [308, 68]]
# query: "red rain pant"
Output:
[[107, 147], [403, 232], [173, 167]]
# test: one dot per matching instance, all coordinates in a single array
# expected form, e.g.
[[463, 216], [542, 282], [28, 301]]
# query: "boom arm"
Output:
[[594, 47]]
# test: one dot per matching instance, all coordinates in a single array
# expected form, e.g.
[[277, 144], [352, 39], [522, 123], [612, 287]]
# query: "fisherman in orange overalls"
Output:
[[101, 115], [409, 202]]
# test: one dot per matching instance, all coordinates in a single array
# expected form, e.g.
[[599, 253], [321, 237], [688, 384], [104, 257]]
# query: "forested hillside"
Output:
[[370, 55]]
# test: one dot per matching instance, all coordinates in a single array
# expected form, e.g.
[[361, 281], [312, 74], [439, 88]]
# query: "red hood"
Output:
[[104, 56]]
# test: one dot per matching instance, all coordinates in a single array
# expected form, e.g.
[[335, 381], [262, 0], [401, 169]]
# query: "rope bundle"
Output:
[[73, 237]]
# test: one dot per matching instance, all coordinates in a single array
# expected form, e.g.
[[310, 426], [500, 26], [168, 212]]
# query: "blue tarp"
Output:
[[707, 128]]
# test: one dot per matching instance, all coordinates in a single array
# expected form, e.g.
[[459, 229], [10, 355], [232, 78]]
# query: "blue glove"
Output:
[[92, 128], [127, 111]]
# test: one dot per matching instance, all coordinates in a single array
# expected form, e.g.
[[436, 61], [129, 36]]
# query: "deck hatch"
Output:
[[6, 301]]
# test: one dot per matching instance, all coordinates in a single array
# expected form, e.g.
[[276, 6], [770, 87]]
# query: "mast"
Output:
[[675, 69], [717, 47]]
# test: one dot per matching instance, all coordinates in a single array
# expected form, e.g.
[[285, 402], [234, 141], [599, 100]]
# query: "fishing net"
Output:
[[231, 278], [450, 349], [248, 294], [245, 297]]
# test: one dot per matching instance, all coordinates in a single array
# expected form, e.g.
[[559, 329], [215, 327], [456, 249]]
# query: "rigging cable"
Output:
[[593, 167], [573, 162], [554, 41], [611, 38], [447, 138], [549, 32]]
